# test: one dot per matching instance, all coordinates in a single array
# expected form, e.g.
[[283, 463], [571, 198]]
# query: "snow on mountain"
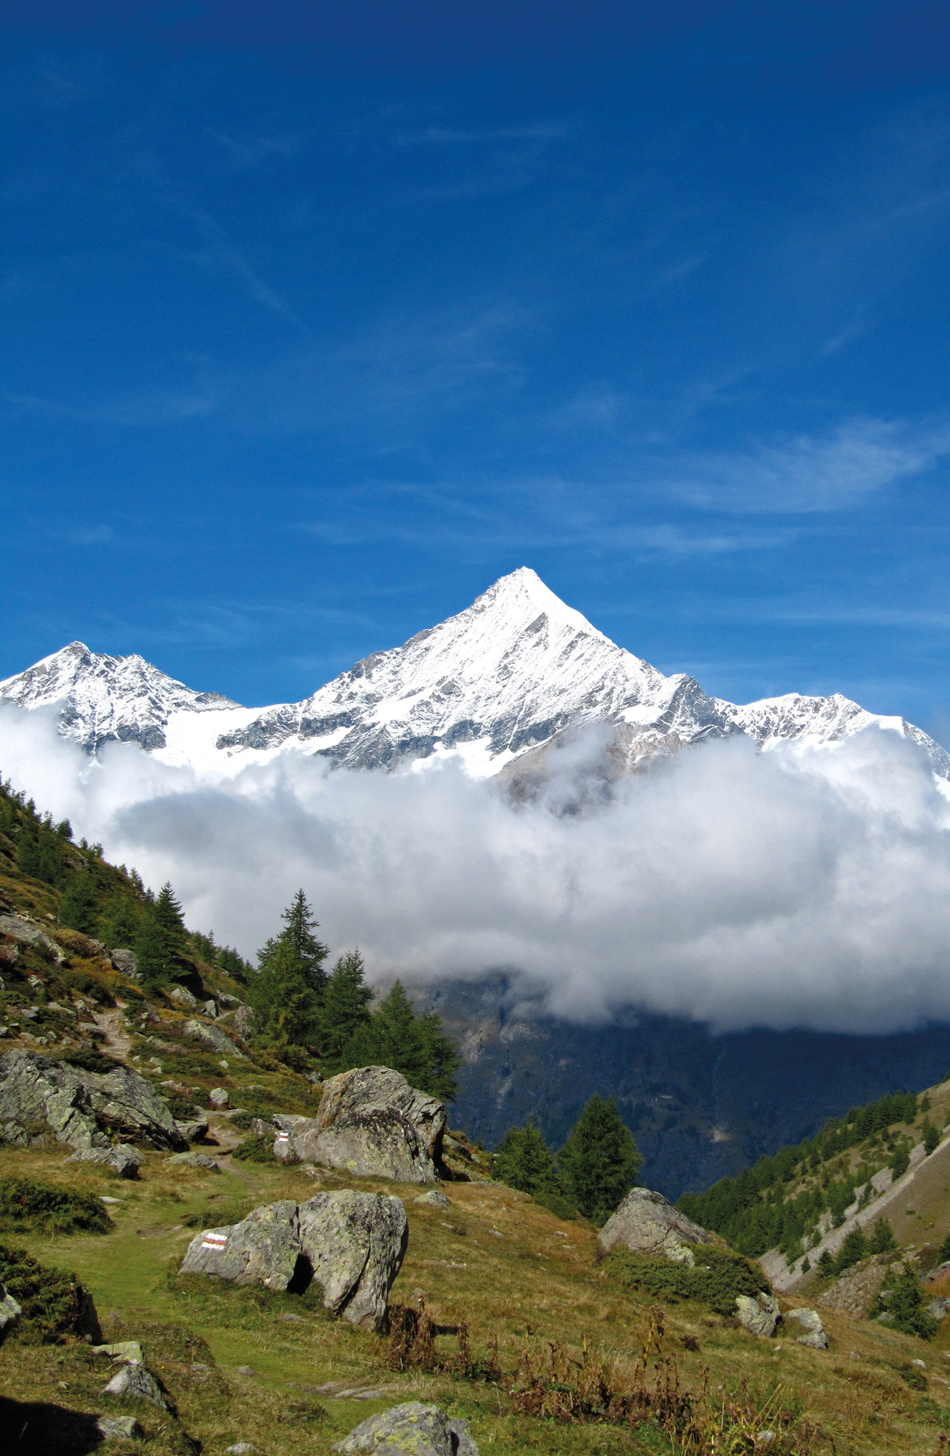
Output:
[[99, 698], [496, 685]]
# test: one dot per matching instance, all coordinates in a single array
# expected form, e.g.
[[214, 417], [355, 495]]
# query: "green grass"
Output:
[[49, 1209]]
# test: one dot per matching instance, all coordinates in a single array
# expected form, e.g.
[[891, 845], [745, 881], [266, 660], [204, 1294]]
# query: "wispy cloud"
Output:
[[806, 473]]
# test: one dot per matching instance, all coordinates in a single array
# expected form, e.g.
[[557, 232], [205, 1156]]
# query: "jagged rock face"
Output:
[[83, 1109], [103, 698], [413, 1428], [370, 1122], [353, 1244], [647, 1224], [497, 685], [214, 1039], [759, 1316]]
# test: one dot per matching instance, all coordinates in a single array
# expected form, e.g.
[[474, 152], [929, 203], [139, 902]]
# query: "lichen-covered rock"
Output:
[[119, 1428], [193, 1160], [759, 1316], [241, 1020], [195, 1128], [82, 1109], [125, 962], [855, 1291], [647, 1223], [372, 1123], [182, 997], [436, 1198], [27, 933], [939, 1308], [122, 1158], [214, 1039], [353, 1244], [412, 1429], [10, 1312], [813, 1335], [135, 1380]]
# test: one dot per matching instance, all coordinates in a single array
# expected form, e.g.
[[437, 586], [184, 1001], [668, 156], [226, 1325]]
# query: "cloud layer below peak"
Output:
[[783, 889]]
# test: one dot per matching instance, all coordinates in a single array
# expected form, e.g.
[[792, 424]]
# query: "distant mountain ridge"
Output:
[[497, 685]]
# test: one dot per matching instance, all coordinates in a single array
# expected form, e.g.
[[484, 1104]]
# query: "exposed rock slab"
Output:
[[372, 1123], [759, 1316], [29, 934], [83, 1109], [855, 1291], [135, 1380], [647, 1223], [352, 1243], [214, 1039], [412, 1429], [10, 1312], [813, 1335], [122, 1158]]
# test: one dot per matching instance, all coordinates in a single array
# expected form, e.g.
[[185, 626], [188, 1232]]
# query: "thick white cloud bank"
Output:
[[779, 889]]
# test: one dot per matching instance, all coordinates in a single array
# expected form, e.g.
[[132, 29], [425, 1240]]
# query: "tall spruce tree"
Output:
[[346, 1002], [416, 1046], [523, 1160], [599, 1161], [160, 943], [79, 906], [299, 926], [287, 1006]]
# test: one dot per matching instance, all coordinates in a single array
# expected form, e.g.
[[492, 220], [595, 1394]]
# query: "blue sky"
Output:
[[318, 320]]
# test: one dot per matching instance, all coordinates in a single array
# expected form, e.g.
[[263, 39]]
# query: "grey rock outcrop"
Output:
[[372, 1123], [353, 1244], [195, 1128], [135, 1380], [119, 1428], [182, 997], [813, 1335], [82, 1109], [412, 1429], [647, 1223], [122, 1158], [125, 962], [241, 1020], [214, 1039], [436, 1198], [193, 1160], [759, 1316], [939, 1308], [29, 934], [10, 1312]]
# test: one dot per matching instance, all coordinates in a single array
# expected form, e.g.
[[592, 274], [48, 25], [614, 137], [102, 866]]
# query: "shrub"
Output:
[[714, 1282], [255, 1150], [556, 1203], [853, 1250], [900, 1161], [883, 1240], [55, 1305], [901, 1298], [92, 1060], [44, 1208]]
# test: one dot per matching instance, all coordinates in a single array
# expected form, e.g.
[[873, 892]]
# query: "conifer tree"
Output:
[[882, 1239], [346, 1001], [416, 1046], [282, 995], [122, 926], [523, 1161], [599, 1161], [299, 926], [79, 906], [160, 942]]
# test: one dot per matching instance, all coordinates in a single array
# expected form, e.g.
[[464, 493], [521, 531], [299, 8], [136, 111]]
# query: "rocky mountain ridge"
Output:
[[498, 685]]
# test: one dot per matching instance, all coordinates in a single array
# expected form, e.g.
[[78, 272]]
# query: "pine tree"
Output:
[[160, 943], [122, 926], [853, 1250], [300, 924], [416, 1046], [599, 1161], [345, 1005], [523, 1161], [79, 906], [882, 1239], [287, 1006], [931, 1136]]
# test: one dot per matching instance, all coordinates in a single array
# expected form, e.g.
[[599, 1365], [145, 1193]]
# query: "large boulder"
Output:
[[413, 1429], [813, 1335], [353, 1244], [647, 1223], [82, 1109], [18, 927], [213, 1039], [372, 1123], [10, 1312], [760, 1315]]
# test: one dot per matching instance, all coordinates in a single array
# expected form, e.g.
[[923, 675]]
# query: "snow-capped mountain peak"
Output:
[[101, 698], [497, 685]]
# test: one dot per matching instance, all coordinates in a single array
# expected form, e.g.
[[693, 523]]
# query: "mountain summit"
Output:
[[501, 682]]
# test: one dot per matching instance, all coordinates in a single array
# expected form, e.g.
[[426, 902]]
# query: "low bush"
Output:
[[55, 1305], [46, 1209], [255, 1150], [92, 1060], [715, 1280], [557, 1204]]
